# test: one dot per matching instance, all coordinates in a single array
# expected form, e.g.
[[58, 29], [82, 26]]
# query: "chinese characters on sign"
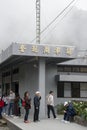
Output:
[[47, 50], [69, 51], [57, 50], [22, 48], [34, 49]]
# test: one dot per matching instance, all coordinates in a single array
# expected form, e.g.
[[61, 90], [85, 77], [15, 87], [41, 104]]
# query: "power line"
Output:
[[55, 19], [62, 18]]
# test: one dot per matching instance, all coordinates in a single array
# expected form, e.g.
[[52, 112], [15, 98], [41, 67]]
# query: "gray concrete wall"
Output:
[[51, 71], [28, 81], [70, 77]]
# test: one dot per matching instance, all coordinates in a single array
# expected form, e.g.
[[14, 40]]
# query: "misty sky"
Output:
[[17, 22]]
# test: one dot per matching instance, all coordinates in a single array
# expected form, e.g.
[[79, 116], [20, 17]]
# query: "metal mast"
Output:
[[38, 21]]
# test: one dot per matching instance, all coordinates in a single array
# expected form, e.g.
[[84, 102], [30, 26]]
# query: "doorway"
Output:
[[15, 87]]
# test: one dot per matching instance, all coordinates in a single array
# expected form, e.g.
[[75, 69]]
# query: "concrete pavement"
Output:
[[47, 124]]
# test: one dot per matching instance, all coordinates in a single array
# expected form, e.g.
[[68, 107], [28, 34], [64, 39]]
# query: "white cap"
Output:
[[65, 103], [37, 92]]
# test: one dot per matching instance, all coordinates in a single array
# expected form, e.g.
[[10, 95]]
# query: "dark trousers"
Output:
[[26, 114], [11, 108], [50, 108], [66, 116], [0, 112], [19, 111], [36, 113]]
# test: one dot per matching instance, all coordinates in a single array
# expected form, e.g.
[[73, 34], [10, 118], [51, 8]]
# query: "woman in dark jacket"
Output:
[[27, 106]]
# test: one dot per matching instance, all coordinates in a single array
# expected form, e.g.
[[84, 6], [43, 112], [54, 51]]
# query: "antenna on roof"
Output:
[[38, 21]]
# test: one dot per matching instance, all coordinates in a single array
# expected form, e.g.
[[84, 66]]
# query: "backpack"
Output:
[[23, 103]]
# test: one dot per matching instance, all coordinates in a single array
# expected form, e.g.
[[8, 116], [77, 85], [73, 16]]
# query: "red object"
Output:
[[1, 103], [23, 103]]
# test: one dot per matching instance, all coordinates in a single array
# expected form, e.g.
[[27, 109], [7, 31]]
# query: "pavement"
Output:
[[45, 124], [4, 128]]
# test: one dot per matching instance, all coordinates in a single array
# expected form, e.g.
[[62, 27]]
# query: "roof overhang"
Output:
[[16, 53]]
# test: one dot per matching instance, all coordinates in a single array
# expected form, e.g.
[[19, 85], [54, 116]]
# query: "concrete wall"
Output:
[[28, 81], [70, 77], [51, 71]]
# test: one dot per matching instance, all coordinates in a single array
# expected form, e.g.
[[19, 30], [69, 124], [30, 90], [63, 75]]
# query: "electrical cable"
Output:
[[61, 19], [55, 18]]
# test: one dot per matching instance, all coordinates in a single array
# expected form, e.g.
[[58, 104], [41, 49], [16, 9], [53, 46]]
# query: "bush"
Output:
[[79, 106], [60, 108]]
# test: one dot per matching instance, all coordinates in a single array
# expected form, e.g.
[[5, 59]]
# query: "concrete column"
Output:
[[11, 78], [41, 81]]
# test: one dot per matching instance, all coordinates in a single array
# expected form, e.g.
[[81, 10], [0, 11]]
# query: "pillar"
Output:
[[41, 81]]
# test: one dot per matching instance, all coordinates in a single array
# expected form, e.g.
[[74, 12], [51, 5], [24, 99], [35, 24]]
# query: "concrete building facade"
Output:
[[33, 67]]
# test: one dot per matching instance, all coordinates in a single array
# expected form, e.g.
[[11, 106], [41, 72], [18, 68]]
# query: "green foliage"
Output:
[[60, 108], [79, 106]]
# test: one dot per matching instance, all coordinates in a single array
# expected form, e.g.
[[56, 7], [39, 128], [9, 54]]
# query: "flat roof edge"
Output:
[[40, 50], [6, 53]]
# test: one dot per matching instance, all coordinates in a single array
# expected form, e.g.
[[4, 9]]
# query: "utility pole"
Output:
[[38, 21]]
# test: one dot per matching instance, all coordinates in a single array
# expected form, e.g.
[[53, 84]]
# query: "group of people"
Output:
[[11, 106]]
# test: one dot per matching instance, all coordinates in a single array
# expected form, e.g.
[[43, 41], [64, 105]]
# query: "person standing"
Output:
[[19, 106], [5, 108], [11, 103], [50, 105], [27, 106], [16, 105], [1, 107], [37, 99]]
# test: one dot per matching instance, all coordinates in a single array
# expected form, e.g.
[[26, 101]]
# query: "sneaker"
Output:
[[26, 121], [4, 113], [15, 117], [56, 118], [63, 120], [66, 121], [12, 115]]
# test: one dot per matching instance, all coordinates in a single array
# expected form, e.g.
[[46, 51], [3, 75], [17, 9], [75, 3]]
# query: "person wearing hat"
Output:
[[69, 112], [37, 99]]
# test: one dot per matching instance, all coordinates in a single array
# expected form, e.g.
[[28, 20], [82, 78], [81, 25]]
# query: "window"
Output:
[[83, 69], [67, 89], [67, 69], [72, 69], [75, 69], [5, 74], [83, 89], [71, 90], [60, 89], [75, 90], [60, 69], [16, 70]]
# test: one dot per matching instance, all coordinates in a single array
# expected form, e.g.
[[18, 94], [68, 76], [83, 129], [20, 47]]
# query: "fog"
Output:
[[17, 23]]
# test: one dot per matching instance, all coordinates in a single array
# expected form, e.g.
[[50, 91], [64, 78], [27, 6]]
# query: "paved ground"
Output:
[[51, 124], [4, 128]]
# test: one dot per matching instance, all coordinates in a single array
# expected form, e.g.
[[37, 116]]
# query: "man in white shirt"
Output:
[[50, 104]]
